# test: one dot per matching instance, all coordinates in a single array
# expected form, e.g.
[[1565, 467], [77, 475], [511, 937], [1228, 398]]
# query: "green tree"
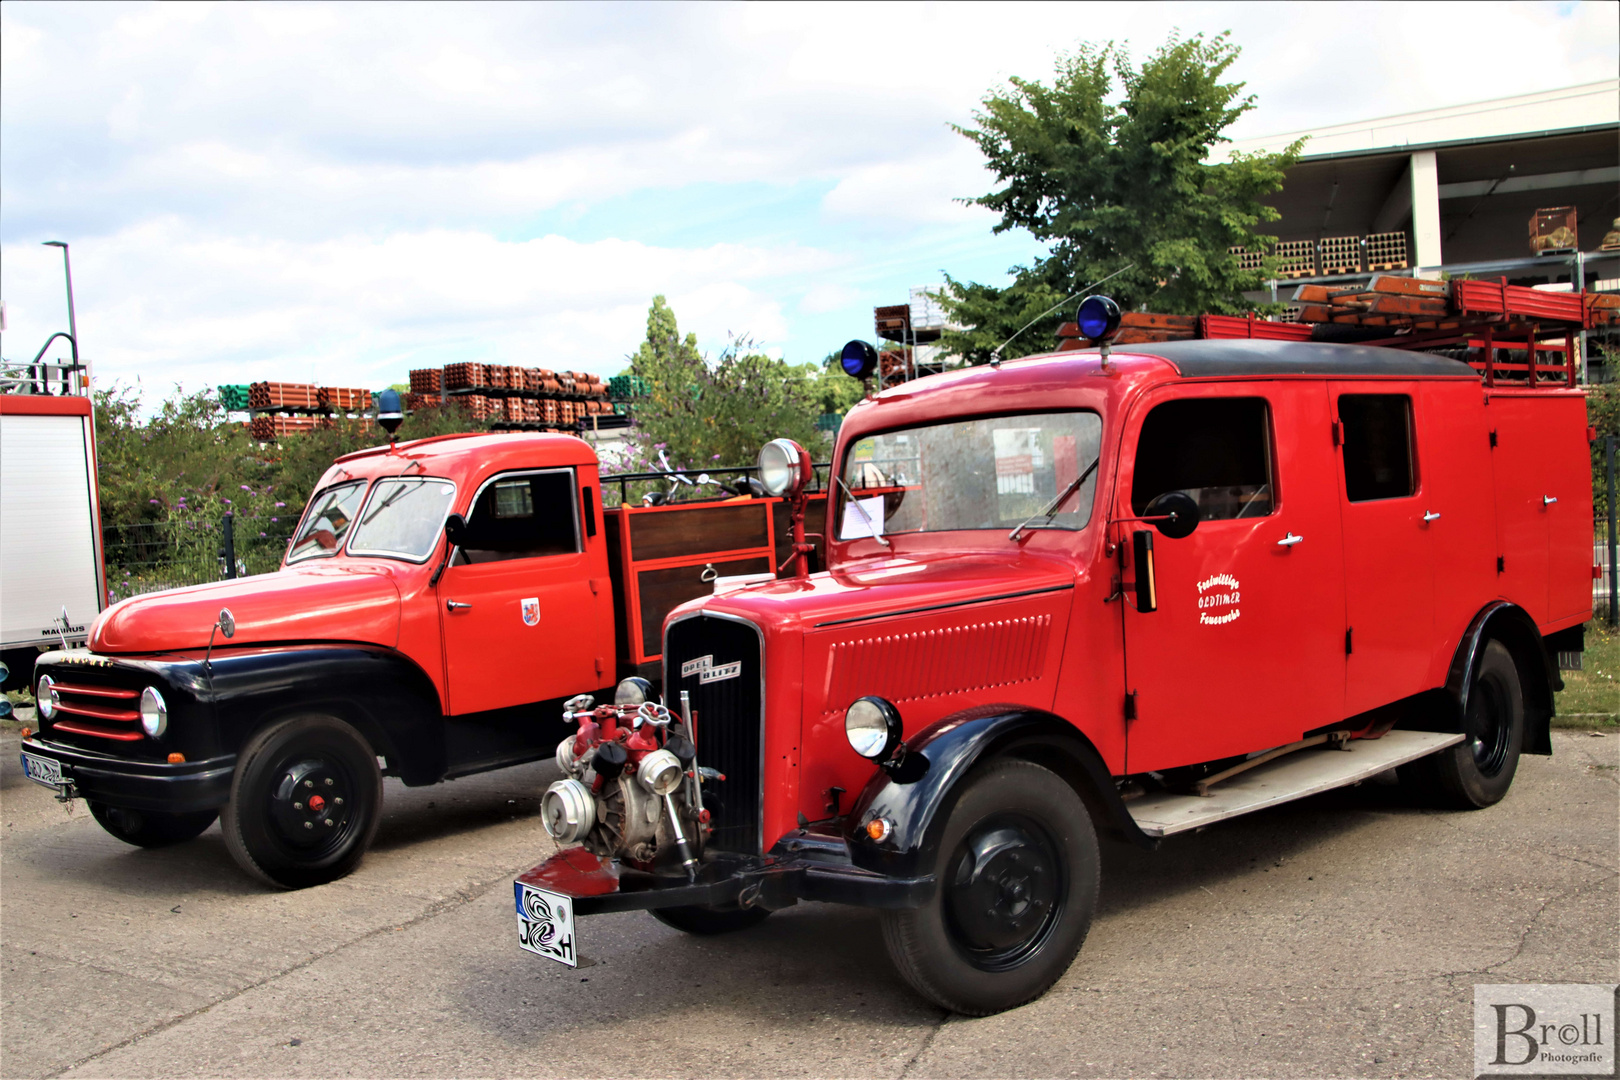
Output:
[[703, 414], [1109, 167]]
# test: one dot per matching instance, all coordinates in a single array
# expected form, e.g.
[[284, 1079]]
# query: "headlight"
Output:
[[45, 698], [873, 727], [154, 713], [660, 772], [633, 691], [781, 467]]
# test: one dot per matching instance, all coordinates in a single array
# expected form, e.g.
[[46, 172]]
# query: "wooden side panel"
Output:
[[663, 590], [672, 534]]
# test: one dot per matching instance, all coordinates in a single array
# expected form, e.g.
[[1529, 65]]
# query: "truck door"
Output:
[[1245, 650], [1392, 517], [520, 618]]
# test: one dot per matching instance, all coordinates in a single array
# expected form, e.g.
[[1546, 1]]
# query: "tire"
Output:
[[708, 921], [1478, 771], [151, 828], [1018, 870], [305, 802]]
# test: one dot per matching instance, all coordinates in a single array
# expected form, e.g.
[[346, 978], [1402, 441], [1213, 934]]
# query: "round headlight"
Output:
[[154, 713], [873, 727], [660, 772], [633, 691], [781, 467], [45, 698]]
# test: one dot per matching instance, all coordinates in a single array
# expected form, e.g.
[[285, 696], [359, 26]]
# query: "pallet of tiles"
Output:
[[1386, 251], [427, 381], [1248, 260], [271, 428], [1339, 255], [1296, 258], [465, 377], [280, 395]]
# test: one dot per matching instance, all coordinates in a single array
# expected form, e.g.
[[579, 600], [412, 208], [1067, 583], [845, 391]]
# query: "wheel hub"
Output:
[[1003, 891], [310, 805]]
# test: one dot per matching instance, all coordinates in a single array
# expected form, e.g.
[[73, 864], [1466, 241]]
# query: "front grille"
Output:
[[729, 720], [98, 707]]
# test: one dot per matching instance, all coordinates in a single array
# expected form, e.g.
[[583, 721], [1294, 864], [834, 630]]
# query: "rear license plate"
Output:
[[546, 924], [42, 770]]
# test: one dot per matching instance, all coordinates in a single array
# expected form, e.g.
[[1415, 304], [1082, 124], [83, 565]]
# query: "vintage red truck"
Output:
[[1075, 593], [439, 602]]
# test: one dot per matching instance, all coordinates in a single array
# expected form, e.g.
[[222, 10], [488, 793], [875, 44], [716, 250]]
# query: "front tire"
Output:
[[1018, 871], [1478, 771], [305, 802], [151, 828]]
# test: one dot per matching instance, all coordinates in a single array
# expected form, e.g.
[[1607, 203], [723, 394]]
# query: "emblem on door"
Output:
[[531, 611], [1218, 599]]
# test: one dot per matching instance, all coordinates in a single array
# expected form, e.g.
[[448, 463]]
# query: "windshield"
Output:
[[404, 517], [991, 473], [327, 522]]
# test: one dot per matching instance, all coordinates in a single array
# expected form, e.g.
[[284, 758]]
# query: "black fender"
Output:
[[917, 796], [1538, 675], [382, 693]]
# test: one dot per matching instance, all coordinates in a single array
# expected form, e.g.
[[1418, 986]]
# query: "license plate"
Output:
[[42, 770], [546, 924]]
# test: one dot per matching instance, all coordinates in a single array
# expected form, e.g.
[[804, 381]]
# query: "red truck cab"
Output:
[[1139, 593], [437, 604]]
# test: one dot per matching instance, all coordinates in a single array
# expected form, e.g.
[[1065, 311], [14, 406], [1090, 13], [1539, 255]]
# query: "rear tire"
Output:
[[1018, 871], [708, 921], [1478, 771], [151, 828], [305, 802]]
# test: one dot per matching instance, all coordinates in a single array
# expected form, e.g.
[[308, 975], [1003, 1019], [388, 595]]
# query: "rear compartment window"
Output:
[[1378, 458], [403, 518], [326, 522], [523, 517], [990, 473], [1217, 450]]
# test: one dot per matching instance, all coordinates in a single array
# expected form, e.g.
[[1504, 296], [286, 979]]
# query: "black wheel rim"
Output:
[[1005, 888], [312, 805], [1489, 723]]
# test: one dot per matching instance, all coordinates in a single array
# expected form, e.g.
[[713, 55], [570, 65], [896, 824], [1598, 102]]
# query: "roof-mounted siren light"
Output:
[[1098, 319], [858, 360], [390, 414]]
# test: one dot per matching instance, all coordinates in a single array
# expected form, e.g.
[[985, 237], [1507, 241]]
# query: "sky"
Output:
[[339, 193]]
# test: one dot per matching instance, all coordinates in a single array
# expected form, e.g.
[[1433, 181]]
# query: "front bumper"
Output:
[[803, 867], [140, 785]]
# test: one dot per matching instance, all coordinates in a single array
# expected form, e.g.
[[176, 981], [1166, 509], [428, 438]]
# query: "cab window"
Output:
[[1378, 458], [523, 516], [1216, 450], [326, 522]]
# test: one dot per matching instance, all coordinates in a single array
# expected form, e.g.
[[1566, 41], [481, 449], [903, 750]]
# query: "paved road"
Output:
[[1340, 937]]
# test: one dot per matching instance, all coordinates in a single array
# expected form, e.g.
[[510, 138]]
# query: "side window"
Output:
[[1378, 458], [523, 517], [1217, 450]]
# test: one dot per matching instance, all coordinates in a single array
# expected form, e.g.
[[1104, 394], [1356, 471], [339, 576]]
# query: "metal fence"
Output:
[[155, 555]]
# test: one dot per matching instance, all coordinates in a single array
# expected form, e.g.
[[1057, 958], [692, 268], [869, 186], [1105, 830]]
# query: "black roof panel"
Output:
[[1241, 356]]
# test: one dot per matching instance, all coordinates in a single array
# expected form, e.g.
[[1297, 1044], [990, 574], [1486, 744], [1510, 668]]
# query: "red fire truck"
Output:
[[1138, 593], [440, 601]]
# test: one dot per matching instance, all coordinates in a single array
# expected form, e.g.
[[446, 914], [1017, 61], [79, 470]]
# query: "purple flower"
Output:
[[263, 534], [245, 487], [275, 519], [715, 458], [227, 502], [154, 502], [278, 507]]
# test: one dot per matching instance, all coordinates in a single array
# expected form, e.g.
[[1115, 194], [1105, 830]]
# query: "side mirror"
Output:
[[1180, 511], [227, 622], [455, 527]]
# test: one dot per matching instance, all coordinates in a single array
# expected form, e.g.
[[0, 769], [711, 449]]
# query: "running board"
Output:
[[1284, 780]]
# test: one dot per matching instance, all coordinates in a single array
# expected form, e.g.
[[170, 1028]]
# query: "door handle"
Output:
[[1289, 541], [1431, 516], [1548, 500], [456, 605]]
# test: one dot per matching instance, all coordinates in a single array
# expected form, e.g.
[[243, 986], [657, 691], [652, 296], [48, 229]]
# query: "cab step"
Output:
[[1308, 772]]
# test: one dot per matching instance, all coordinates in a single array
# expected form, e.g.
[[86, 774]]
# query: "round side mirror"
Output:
[[1179, 508], [455, 527]]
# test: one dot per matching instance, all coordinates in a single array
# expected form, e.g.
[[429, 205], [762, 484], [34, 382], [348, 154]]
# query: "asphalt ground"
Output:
[[1340, 936]]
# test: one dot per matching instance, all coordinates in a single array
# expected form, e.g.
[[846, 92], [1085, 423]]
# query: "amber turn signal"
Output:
[[26, 732], [879, 829], [177, 759]]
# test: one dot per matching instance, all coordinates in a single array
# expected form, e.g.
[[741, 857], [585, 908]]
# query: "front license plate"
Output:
[[42, 770], [546, 924]]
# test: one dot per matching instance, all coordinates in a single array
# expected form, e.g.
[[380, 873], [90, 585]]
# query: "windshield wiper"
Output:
[[861, 510], [1057, 502]]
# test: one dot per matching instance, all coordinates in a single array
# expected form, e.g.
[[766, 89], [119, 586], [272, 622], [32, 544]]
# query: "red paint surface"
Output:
[[43, 405], [573, 872]]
